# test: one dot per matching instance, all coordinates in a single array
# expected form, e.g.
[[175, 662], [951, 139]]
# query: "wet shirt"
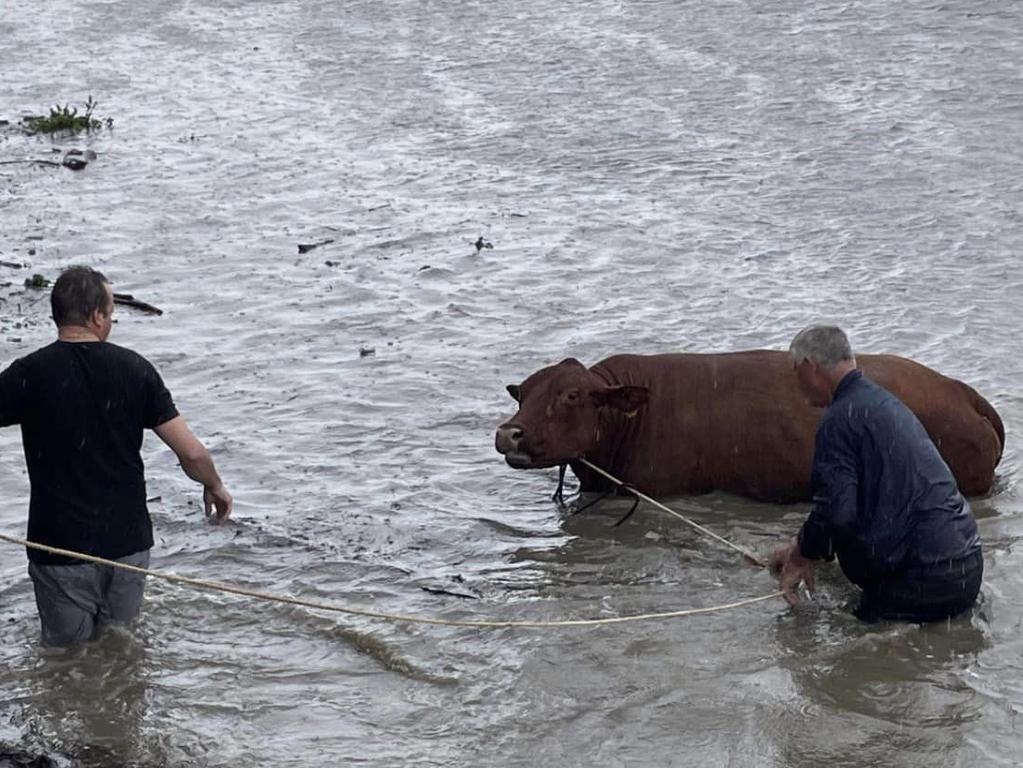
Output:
[[883, 498], [82, 408]]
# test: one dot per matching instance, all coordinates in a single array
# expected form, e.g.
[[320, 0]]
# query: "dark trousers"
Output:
[[924, 593]]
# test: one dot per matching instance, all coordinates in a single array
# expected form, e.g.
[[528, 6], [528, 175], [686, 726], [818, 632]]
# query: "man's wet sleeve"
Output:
[[160, 406], [833, 514], [14, 389]]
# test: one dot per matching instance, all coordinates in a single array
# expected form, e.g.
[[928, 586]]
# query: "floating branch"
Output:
[[306, 247], [130, 301], [30, 162]]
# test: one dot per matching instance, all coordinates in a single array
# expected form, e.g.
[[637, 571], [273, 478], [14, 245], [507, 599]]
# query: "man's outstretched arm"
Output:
[[198, 465]]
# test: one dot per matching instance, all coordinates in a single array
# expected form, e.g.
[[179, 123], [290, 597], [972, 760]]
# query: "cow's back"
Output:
[[737, 422], [963, 425]]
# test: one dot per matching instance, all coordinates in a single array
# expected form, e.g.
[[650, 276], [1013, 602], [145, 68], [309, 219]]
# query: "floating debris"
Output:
[[450, 592], [306, 247], [128, 300], [37, 281], [74, 159], [65, 119]]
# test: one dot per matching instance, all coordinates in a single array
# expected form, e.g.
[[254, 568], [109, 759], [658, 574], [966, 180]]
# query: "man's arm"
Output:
[[198, 465], [14, 390], [832, 517], [834, 513]]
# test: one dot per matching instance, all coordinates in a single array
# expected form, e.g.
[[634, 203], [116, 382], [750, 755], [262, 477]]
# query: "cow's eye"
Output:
[[572, 396]]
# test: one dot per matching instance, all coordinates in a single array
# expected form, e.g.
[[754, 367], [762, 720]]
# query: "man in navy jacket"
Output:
[[884, 501]]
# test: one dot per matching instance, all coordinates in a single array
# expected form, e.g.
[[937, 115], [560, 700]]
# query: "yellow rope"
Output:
[[480, 624], [744, 552]]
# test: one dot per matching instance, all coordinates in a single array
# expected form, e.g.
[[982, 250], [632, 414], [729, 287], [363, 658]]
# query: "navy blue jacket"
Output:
[[883, 498]]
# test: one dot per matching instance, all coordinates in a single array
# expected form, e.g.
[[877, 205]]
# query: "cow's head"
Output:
[[558, 418]]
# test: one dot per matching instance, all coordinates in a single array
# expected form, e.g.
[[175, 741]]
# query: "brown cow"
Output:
[[735, 422]]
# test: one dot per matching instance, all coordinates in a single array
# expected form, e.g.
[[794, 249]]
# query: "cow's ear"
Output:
[[514, 391], [627, 398]]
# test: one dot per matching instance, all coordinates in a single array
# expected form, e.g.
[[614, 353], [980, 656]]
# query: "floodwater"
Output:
[[653, 176]]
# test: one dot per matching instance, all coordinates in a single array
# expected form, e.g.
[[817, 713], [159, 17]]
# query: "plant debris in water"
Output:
[[37, 281], [66, 119]]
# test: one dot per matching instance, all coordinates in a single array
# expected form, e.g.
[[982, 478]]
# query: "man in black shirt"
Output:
[[82, 404], [884, 501]]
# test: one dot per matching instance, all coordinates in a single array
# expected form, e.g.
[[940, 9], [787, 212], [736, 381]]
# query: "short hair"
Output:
[[78, 292], [825, 345]]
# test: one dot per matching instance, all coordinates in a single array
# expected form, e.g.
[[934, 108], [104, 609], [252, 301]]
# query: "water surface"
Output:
[[653, 176]]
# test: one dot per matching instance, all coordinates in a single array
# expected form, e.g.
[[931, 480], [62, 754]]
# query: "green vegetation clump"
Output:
[[37, 281], [65, 119]]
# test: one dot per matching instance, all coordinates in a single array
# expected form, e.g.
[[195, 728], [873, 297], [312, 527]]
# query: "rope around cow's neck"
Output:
[[321, 606], [741, 550]]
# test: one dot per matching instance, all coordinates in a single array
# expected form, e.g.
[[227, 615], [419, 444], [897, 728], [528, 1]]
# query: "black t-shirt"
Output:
[[82, 407]]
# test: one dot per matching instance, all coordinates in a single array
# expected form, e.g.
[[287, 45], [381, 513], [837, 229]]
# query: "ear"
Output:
[[514, 391], [570, 362], [628, 398]]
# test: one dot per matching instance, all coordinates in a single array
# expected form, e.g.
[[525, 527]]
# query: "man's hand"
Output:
[[198, 465], [791, 568], [218, 502]]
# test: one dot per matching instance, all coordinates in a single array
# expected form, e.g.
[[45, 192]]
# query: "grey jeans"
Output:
[[73, 600]]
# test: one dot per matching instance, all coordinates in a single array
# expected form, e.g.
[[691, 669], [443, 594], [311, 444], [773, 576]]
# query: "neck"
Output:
[[839, 372], [76, 333]]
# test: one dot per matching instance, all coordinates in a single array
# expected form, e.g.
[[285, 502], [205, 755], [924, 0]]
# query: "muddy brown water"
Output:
[[653, 177]]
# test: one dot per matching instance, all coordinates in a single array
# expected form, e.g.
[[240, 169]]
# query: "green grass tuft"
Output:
[[37, 281], [65, 119]]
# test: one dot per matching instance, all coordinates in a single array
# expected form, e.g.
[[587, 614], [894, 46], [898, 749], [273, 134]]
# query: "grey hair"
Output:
[[825, 345]]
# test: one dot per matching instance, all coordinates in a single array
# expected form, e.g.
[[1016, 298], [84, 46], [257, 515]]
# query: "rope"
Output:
[[320, 606], [706, 532]]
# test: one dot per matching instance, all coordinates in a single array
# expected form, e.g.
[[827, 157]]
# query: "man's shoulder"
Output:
[[867, 391], [878, 410], [126, 354], [859, 399], [37, 356], [874, 393]]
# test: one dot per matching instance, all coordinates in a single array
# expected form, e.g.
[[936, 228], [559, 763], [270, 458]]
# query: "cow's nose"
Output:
[[508, 438]]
